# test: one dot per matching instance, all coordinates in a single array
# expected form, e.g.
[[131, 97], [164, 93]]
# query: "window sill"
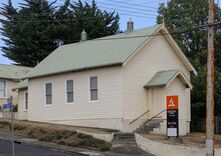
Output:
[[70, 103], [3, 98], [94, 101], [48, 105]]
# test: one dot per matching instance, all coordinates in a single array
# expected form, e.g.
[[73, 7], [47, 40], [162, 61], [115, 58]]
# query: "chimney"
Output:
[[83, 35], [130, 26]]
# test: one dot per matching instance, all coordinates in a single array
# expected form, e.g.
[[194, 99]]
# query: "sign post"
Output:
[[172, 116], [9, 106]]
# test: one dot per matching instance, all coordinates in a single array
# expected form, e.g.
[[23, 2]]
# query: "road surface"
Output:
[[28, 150]]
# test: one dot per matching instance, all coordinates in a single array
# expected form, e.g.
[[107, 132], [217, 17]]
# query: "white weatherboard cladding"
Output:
[[177, 88], [22, 113], [82, 111], [157, 55]]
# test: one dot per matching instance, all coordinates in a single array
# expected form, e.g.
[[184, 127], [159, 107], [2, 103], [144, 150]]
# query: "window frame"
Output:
[[5, 90], [66, 92], [89, 94], [45, 96], [25, 109]]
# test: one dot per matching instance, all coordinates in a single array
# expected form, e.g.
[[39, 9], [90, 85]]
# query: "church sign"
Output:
[[172, 116]]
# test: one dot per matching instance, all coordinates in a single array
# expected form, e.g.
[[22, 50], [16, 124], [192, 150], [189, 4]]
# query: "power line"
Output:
[[140, 36], [127, 7], [134, 12], [132, 4]]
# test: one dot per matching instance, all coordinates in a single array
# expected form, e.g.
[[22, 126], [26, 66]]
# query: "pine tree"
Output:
[[36, 28]]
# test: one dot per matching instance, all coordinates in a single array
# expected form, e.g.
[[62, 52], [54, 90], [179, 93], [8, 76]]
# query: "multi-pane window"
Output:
[[70, 91], [26, 100], [93, 88], [48, 93], [2, 89]]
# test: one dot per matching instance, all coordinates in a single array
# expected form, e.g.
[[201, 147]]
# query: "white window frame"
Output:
[[45, 98], [6, 88], [89, 90], [66, 97], [25, 109]]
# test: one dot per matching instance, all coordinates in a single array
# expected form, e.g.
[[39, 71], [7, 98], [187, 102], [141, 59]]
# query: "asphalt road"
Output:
[[28, 150]]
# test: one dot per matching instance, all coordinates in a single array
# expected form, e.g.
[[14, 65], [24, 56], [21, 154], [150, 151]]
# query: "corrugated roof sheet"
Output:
[[13, 72], [161, 78], [23, 84], [106, 51]]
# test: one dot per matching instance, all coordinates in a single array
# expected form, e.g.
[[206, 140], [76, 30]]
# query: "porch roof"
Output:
[[164, 78]]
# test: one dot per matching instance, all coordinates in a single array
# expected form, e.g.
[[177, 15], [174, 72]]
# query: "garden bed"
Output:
[[59, 134]]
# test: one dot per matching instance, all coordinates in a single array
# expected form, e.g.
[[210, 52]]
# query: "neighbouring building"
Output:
[[10, 76], [115, 82]]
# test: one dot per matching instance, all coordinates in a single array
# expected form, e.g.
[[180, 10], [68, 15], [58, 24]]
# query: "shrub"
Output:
[[48, 137], [19, 127]]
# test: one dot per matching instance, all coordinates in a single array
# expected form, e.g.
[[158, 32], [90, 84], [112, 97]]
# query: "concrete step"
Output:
[[124, 138]]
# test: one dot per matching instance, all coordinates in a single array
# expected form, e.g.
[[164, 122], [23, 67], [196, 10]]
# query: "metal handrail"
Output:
[[139, 117], [154, 116]]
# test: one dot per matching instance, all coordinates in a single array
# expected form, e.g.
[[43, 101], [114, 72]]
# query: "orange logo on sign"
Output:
[[172, 102]]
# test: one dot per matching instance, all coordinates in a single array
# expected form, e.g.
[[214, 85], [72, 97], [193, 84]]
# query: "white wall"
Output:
[[155, 56], [22, 113], [9, 86], [105, 113]]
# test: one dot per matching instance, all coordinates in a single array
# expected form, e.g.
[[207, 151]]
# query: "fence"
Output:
[[7, 114], [200, 125]]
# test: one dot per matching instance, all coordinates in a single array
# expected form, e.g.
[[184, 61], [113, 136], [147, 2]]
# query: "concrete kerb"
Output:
[[106, 137], [46, 145], [162, 149]]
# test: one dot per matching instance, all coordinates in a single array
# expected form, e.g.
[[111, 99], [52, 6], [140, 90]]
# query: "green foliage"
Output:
[[36, 28], [182, 15], [48, 137], [89, 141]]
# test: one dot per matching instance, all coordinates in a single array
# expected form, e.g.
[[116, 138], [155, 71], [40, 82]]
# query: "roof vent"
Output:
[[130, 26], [83, 35]]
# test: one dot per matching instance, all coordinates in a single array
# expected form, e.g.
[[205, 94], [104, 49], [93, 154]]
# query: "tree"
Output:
[[96, 23], [37, 27], [182, 15]]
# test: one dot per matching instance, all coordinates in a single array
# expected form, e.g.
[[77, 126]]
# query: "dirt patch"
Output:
[[59, 126], [64, 135], [193, 139]]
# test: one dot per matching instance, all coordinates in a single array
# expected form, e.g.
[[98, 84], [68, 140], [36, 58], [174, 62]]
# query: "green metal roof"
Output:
[[161, 78], [13, 72], [106, 51], [23, 84]]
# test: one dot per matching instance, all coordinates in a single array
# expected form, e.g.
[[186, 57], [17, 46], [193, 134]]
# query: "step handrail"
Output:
[[139, 117], [154, 116]]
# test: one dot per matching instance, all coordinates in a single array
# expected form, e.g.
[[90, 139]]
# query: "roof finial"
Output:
[[83, 35], [130, 25]]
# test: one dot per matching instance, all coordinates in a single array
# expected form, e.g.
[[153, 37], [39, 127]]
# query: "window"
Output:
[[93, 88], [26, 100], [48, 93], [69, 91], [2, 89]]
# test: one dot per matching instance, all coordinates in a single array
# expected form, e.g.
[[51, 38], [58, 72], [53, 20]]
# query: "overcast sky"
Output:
[[142, 12]]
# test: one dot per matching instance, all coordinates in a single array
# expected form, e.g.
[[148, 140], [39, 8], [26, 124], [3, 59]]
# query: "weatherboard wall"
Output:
[[104, 113], [23, 114], [156, 55]]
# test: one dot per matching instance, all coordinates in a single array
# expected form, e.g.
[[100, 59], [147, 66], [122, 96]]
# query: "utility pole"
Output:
[[210, 84]]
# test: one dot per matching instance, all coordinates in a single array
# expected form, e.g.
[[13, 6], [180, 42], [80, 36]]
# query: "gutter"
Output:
[[76, 70]]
